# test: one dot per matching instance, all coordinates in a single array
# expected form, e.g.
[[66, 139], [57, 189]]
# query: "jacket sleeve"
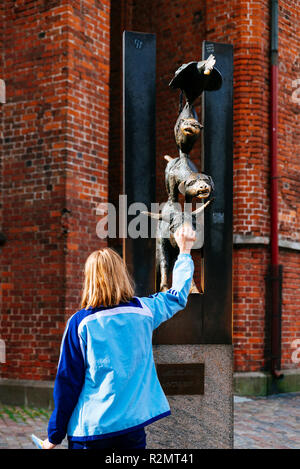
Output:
[[165, 304], [68, 383]]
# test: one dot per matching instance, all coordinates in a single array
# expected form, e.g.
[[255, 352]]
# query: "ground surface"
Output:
[[271, 422], [262, 422]]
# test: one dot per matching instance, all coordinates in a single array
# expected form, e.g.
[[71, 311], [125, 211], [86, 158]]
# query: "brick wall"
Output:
[[289, 171], [87, 127], [249, 299], [54, 170], [115, 171], [32, 270], [246, 25]]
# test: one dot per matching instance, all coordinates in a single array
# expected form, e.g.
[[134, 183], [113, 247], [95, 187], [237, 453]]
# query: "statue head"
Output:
[[187, 129]]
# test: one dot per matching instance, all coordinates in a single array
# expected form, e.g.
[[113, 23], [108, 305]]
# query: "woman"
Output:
[[106, 389]]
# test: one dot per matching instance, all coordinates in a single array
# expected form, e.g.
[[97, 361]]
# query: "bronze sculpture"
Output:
[[187, 129], [195, 77], [181, 175]]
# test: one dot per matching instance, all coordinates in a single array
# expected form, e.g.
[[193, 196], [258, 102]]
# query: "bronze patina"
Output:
[[181, 175]]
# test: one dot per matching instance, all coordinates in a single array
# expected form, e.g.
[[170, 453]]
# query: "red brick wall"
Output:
[[250, 267], [291, 306], [246, 25], [118, 21], [288, 128], [289, 171], [32, 267], [87, 127], [54, 171]]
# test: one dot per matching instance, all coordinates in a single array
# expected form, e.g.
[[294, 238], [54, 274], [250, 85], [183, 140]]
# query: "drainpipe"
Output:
[[275, 268]]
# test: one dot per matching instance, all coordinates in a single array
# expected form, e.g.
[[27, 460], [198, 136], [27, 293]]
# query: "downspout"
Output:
[[275, 268]]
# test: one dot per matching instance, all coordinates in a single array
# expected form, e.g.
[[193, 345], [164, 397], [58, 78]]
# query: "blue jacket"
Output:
[[106, 382]]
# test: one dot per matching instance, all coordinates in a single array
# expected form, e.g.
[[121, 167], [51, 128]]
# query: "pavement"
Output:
[[271, 422]]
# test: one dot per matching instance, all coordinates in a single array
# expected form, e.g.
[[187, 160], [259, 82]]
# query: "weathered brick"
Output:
[[41, 120]]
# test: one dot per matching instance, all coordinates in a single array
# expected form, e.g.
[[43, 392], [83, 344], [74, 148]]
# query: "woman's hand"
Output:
[[185, 237], [47, 445]]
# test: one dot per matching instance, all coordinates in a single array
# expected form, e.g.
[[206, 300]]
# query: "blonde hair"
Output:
[[106, 280]]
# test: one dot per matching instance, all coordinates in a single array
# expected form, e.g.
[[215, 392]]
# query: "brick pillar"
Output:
[[88, 129], [54, 170], [245, 25]]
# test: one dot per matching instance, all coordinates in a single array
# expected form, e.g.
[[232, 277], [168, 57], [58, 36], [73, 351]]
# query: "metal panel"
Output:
[[218, 159], [186, 327], [139, 76]]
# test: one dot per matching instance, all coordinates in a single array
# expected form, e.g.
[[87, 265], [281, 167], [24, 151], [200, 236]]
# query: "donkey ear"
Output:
[[181, 187]]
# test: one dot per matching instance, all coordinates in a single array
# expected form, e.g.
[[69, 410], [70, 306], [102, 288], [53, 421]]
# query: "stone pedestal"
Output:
[[197, 421]]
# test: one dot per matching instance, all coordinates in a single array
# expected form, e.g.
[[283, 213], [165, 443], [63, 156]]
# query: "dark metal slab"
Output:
[[218, 163], [181, 378], [186, 327], [139, 96], [207, 318]]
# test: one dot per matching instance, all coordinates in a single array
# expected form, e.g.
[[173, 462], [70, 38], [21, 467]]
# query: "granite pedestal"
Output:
[[197, 421]]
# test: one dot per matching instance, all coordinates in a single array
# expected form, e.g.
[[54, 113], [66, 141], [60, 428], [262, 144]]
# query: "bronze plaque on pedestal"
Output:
[[181, 378]]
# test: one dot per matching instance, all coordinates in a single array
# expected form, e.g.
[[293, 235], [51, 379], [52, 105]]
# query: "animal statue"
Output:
[[187, 129], [181, 175], [195, 77], [169, 220]]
